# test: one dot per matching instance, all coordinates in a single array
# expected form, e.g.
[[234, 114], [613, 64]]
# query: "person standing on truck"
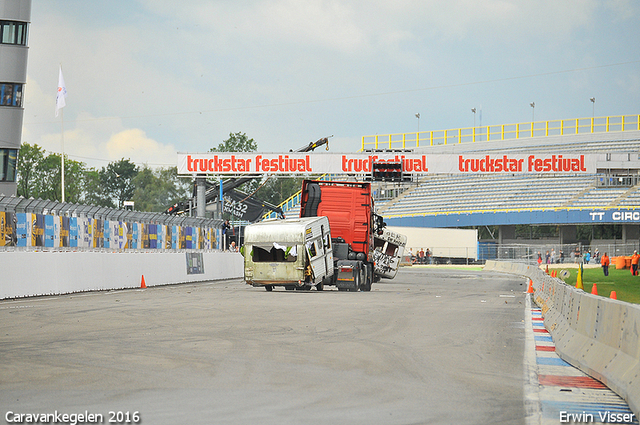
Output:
[[605, 264]]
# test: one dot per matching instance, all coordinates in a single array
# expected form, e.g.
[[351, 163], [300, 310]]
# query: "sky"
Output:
[[149, 78]]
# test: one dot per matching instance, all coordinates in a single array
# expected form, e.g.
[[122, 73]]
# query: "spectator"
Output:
[[553, 256], [428, 256], [539, 258], [547, 258], [412, 258], [587, 257], [421, 256], [634, 263], [561, 256], [226, 234], [233, 247], [605, 264]]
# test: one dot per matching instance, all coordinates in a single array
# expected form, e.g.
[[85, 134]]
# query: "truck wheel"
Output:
[[319, 286], [368, 279], [269, 288]]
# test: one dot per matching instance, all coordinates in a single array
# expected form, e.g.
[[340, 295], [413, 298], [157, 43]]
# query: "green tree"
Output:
[[278, 189], [29, 158], [50, 184], [237, 142], [94, 192], [156, 190], [117, 179], [39, 175]]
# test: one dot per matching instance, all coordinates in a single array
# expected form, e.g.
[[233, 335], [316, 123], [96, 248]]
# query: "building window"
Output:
[[8, 159], [11, 94], [13, 33]]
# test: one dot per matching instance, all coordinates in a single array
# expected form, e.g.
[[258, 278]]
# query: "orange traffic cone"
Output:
[[530, 290], [613, 295], [594, 289], [142, 284]]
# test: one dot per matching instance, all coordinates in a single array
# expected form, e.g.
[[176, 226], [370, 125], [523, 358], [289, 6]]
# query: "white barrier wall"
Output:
[[29, 273], [598, 335]]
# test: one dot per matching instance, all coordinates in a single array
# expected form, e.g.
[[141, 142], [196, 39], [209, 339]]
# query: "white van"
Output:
[[295, 253]]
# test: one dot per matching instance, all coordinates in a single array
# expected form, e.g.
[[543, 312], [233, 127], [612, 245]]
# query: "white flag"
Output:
[[62, 93]]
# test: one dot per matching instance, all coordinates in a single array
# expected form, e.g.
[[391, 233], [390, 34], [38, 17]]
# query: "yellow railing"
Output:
[[502, 132]]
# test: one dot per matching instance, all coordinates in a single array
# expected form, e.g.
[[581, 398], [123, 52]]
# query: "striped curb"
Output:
[[564, 393]]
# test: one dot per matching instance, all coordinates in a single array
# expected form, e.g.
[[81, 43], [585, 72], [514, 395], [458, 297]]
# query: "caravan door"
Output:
[[316, 256]]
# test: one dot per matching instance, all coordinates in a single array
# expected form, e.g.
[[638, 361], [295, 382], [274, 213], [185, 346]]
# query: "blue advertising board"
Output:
[[560, 216]]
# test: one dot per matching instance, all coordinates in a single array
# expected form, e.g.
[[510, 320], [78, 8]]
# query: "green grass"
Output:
[[627, 287]]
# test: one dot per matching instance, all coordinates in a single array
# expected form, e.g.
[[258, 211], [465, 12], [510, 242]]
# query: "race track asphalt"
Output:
[[433, 346]]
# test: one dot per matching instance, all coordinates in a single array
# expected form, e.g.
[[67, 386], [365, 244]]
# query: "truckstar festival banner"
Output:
[[361, 163]]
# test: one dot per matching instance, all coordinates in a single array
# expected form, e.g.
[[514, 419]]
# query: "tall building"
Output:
[[14, 29]]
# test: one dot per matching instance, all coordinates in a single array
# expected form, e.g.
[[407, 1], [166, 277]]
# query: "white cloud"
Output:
[[136, 146]]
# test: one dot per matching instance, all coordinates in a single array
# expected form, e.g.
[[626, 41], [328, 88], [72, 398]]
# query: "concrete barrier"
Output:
[[32, 273], [598, 335]]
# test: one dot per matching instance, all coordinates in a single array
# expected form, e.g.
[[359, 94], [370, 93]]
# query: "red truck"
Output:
[[356, 232]]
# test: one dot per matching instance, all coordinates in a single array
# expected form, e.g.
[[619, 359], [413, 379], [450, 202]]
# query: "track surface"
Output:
[[434, 346]]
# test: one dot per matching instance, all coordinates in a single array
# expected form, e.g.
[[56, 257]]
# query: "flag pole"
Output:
[[60, 104], [62, 159]]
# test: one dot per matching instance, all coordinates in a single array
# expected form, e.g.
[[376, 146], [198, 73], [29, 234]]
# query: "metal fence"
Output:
[[555, 253], [28, 223]]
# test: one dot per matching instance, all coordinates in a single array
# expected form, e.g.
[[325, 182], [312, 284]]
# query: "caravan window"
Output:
[[311, 248], [392, 249], [274, 253]]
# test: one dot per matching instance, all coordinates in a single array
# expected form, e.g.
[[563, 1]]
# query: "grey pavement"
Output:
[[433, 346]]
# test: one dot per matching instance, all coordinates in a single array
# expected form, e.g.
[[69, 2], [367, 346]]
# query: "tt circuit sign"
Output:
[[233, 163], [624, 216]]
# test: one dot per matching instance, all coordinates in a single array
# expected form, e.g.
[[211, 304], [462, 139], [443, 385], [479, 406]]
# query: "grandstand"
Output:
[[615, 185], [610, 196]]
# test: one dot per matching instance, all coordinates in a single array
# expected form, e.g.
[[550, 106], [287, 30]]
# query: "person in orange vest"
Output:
[[604, 260], [634, 263]]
